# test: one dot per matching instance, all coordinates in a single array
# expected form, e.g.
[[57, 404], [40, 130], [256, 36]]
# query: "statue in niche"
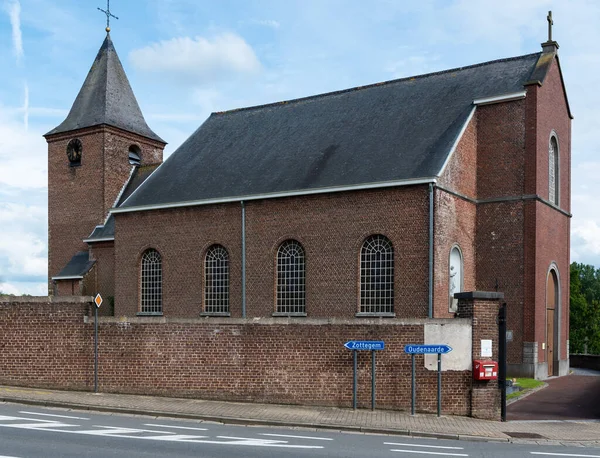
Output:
[[455, 278]]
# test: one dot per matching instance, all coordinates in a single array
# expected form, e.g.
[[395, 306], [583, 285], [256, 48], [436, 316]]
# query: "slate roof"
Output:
[[107, 230], [106, 97], [382, 133], [77, 267]]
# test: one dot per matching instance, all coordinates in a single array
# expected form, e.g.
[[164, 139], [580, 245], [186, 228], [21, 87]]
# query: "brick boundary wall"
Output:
[[48, 343], [585, 361]]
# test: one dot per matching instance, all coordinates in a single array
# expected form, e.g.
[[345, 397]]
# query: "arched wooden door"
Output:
[[551, 322]]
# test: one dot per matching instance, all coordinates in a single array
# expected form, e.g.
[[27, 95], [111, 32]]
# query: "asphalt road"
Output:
[[27, 431]]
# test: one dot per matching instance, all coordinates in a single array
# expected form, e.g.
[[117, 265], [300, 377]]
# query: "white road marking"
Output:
[[271, 441], [128, 433], [422, 445], [564, 454], [52, 415], [175, 427], [429, 453], [298, 437], [176, 437], [117, 430], [4, 456], [45, 425]]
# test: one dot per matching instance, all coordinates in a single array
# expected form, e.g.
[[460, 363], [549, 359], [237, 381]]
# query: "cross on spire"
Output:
[[550, 24], [108, 15]]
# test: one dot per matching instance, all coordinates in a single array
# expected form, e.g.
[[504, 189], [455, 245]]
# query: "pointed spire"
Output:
[[106, 97]]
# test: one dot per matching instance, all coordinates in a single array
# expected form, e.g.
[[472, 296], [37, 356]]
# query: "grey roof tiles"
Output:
[[387, 132], [106, 97]]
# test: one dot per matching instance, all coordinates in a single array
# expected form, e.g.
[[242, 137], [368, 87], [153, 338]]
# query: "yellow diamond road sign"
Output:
[[98, 300]]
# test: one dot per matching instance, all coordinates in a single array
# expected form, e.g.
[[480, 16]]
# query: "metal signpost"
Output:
[[98, 302], [372, 346], [427, 350]]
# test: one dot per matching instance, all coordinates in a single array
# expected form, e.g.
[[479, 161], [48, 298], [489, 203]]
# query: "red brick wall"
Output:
[[48, 344], [79, 197], [501, 149], [485, 402], [552, 231], [455, 218], [330, 227], [44, 342], [103, 275]]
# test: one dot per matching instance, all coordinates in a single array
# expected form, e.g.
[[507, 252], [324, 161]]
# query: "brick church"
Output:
[[376, 202]]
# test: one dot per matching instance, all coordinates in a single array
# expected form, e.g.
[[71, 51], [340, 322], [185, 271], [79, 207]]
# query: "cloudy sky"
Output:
[[186, 58]]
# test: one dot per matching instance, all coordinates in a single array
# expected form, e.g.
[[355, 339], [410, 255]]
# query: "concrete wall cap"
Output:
[[487, 295], [4, 299]]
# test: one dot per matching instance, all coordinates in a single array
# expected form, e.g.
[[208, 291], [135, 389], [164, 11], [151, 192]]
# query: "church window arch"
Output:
[[455, 276], [151, 282], [291, 278], [216, 280], [553, 170], [135, 155], [377, 275]]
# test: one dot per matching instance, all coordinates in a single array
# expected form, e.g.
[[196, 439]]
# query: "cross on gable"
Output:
[[108, 15], [550, 24]]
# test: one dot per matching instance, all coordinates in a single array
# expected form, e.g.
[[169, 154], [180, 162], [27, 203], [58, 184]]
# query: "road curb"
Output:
[[252, 421]]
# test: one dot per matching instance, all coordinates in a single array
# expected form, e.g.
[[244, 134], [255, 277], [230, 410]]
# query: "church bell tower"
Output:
[[91, 156]]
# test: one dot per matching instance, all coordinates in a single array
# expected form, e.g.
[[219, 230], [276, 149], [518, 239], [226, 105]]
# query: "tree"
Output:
[[584, 309]]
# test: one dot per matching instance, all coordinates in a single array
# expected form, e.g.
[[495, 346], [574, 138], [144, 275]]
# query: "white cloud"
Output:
[[265, 23], [22, 153], [13, 8], [23, 244], [26, 107], [198, 58]]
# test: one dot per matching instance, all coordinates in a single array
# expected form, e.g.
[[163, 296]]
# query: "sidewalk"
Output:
[[380, 421]]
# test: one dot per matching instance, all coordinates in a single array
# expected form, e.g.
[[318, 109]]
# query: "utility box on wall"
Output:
[[485, 370]]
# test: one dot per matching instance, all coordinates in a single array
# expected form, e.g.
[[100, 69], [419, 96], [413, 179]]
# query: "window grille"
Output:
[[216, 280], [377, 275], [553, 171], [151, 282], [291, 278]]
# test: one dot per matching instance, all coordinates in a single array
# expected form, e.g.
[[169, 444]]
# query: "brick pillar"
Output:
[[482, 307]]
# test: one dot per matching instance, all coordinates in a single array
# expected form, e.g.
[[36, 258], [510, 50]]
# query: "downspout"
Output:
[[243, 259], [431, 250]]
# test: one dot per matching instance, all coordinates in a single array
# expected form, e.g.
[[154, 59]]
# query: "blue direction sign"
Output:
[[427, 349], [365, 345]]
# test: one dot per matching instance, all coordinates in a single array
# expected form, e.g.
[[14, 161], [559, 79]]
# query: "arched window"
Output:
[[455, 277], [553, 182], [135, 155], [151, 282], [291, 278], [377, 275], [216, 280]]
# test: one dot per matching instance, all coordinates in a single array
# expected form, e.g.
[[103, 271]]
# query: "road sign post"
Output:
[[98, 303], [372, 346], [427, 349]]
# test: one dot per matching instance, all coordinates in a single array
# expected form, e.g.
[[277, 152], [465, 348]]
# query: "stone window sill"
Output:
[[149, 314], [374, 315], [281, 314], [221, 314]]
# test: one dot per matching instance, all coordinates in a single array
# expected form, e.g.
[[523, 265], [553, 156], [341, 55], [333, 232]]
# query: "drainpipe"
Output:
[[431, 250], [243, 259]]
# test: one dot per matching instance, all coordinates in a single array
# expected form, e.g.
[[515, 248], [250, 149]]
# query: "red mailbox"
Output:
[[485, 370]]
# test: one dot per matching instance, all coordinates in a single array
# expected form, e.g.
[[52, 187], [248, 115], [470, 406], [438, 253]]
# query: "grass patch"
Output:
[[526, 385]]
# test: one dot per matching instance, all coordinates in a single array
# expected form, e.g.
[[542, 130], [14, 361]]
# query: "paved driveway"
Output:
[[572, 397]]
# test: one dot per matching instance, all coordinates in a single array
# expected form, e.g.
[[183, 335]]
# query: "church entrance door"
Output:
[[551, 322]]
